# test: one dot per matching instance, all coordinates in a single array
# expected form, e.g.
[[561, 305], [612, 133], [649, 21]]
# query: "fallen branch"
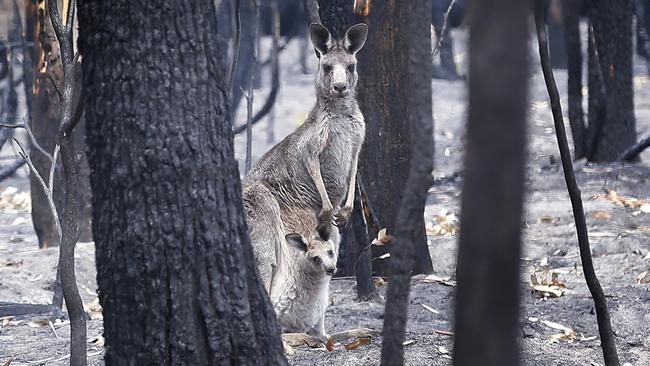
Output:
[[634, 151], [602, 313]]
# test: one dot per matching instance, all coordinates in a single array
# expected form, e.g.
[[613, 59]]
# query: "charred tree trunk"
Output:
[[612, 24], [385, 157], [413, 19], [246, 62], [487, 298], [44, 122], [571, 16], [175, 269]]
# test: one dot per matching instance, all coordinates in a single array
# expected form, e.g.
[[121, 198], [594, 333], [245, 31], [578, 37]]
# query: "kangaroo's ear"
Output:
[[324, 230], [355, 37], [320, 38], [297, 241]]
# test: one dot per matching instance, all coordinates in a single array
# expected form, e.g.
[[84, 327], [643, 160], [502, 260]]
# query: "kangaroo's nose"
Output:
[[330, 271], [340, 87]]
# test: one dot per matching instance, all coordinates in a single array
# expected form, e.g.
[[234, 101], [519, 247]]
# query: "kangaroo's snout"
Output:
[[330, 271]]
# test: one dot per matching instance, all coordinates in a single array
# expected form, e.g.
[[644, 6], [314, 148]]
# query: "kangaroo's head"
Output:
[[320, 252], [337, 66]]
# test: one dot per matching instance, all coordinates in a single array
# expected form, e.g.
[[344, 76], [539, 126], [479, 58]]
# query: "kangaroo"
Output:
[[310, 175], [301, 297]]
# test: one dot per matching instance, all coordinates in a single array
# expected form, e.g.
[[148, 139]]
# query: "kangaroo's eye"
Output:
[[330, 252], [352, 67], [316, 260], [327, 68]]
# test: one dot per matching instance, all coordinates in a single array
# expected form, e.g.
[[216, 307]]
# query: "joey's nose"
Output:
[[340, 87], [330, 271]]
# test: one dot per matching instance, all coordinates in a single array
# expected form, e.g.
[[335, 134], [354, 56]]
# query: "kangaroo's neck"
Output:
[[337, 106]]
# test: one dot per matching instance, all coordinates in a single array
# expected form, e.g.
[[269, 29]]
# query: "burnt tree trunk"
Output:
[[175, 269], [571, 17], [385, 156], [413, 19], [612, 24], [487, 298], [44, 122]]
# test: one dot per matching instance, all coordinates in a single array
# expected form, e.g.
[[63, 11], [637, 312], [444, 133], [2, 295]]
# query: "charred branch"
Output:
[[600, 302]]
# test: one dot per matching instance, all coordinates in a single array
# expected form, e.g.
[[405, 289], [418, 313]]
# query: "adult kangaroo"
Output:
[[309, 177]]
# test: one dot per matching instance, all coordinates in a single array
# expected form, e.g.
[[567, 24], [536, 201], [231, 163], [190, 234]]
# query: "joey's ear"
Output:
[[355, 37], [320, 38], [324, 230], [297, 241]]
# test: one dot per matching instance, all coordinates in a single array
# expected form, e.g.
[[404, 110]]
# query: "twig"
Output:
[[53, 330], [634, 151], [32, 139], [48, 193], [602, 313], [235, 47], [441, 36]]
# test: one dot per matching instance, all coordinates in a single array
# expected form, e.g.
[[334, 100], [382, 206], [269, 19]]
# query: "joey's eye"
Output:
[[316, 260], [352, 67], [330, 252], [327, 68]]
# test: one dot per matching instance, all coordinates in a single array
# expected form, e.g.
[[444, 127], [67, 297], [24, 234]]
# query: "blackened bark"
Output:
[[571, 17], [247, 44], [385, 157], [612, 24], [44, 122], [413, 19], [596, 98], [600, 302], [337, 16], [175, 268], [487, 298]]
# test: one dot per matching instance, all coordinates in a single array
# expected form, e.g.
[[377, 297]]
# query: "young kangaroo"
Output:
[[301, 297], [312, 170]]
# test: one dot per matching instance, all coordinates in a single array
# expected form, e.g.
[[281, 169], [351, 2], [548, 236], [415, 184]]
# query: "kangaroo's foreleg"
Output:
[[313, 167], [344, 213]]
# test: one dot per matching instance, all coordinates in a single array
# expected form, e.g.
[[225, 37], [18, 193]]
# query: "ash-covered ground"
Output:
[[554, 330]]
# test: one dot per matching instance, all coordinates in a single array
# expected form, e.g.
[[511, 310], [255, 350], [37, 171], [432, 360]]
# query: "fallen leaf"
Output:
[[430, 308], [97, 341], [9, 361], [443, 350], [11, 263], [442, 280], [444, 332], [35, 278], [382, 238], [356, 344], [445, 224], [408, 343], [602, 234], [547, 219], [288, 349], [602, 215], [38, 323], [6, 320], [378, 282], [631, 202], [384, 256], [643, 278], [330, 344]]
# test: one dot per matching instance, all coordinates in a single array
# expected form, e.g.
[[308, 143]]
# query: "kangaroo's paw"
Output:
[[325, 215], [342, 216]]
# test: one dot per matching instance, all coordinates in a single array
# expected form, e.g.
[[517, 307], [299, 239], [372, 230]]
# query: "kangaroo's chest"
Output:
[[345, 138]]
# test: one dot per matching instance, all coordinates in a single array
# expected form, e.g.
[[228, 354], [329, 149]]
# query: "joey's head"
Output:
[[320, 252], [337, 61]]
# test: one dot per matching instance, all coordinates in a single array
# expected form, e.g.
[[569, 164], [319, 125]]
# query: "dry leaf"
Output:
[[444, 224], [437, 279], [97, 341], [330, 344], [39, 323], [11, 262], [602, 215], [382, 238], [547, 219], [384, 256], [408, 343], [631, 202], [548, 291], [443, 350], [288, 349], [444, 332], [643, 278], [6, 320], [430, 308], [9, 361], [356, 344]]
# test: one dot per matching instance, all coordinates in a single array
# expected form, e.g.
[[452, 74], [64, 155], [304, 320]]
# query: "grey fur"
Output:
[[306, 179]]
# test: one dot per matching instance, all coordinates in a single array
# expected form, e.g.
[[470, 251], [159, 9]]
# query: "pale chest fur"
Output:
[[298, 307], [345, 135]]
